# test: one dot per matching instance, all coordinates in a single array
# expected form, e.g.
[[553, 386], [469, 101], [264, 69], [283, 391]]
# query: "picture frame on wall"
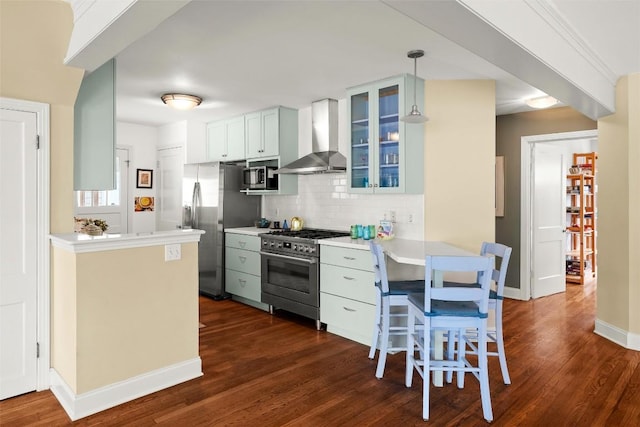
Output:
[[145, 178], [500, 186]]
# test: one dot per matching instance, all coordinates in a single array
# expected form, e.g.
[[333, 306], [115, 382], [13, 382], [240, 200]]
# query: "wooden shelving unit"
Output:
[[581, 218]]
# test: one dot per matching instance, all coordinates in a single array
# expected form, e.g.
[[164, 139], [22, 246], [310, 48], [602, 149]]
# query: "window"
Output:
[[89, 199]]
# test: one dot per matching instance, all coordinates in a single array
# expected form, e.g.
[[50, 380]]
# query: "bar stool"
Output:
[[502, 254], [388, 294], [452, 308]]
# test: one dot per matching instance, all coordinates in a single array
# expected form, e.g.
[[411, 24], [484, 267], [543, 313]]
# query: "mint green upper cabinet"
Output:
[[225, 139], [386, 155], [94, 142], [270, 130]]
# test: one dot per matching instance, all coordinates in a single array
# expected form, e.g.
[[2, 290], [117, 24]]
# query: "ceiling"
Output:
[[242, 56]]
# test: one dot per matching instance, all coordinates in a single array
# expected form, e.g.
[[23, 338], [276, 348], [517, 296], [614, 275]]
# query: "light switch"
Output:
[[172, 252]]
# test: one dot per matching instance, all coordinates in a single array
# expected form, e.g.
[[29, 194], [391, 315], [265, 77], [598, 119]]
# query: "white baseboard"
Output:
[[85, 404], [619, 336]]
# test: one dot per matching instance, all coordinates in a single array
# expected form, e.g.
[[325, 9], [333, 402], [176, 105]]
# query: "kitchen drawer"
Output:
[[242, 284], [242, 241], [241, 260], [348, 282], [347, 318], [350, 258]]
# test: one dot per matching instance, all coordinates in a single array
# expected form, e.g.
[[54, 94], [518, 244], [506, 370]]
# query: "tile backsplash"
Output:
[[324, 202]]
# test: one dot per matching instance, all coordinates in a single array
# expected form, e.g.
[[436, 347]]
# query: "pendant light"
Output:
[[415, 116]]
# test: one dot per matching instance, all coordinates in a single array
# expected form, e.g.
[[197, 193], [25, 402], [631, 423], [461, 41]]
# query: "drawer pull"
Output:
[[349, 309], [242, 259], [348, 278], [242, 244], [243, 282], [350, 258]]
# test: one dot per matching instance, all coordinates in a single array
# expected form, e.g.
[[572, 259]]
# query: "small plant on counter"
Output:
[[83, 222]]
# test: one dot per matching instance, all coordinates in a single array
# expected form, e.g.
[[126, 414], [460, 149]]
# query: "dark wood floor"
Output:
[[263, 370]]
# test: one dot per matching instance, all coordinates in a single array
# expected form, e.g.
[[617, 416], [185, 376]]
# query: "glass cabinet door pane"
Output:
[[360, 140], [389, 161]]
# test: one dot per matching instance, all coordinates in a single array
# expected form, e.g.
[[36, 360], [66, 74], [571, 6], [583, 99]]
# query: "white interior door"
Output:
[[18, 252], [169, 203], [549, 206]]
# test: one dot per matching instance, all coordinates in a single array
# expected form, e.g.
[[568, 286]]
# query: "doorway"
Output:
[[568, 142], [24, 310]]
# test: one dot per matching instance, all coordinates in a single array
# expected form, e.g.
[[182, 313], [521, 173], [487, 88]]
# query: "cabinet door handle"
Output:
[[348, 278], [352, 310]]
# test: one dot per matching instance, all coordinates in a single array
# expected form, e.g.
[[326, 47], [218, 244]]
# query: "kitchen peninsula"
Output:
[[124, 316]]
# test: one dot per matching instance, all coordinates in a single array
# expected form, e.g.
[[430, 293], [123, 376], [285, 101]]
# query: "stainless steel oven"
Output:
[[290, 267]]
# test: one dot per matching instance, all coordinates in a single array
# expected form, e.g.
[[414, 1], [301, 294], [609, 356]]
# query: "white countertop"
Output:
[[80, 242], [403, 251], [250, 231], [346, 242]]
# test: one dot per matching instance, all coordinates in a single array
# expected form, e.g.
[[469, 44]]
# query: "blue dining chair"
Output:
[[389, 294], [458, 308], [502, 254]]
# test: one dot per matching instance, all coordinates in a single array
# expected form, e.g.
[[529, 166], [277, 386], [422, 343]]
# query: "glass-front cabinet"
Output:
[[386, 155]]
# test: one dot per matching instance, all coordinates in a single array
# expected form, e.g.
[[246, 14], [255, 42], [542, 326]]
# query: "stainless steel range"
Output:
[[290, 262]]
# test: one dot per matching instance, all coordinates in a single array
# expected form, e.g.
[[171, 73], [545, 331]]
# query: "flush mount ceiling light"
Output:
[[541, 102], [180, 101], [415, 116]]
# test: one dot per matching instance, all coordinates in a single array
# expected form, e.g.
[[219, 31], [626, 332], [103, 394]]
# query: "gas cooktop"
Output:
[[307, 233]]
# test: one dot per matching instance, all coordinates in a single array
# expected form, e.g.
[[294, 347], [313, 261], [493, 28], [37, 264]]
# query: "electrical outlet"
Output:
[[277, 212], [410, 219], [172, 252], [392, 216]]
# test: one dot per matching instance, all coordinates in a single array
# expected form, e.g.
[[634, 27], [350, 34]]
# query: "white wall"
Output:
[[141, 141]]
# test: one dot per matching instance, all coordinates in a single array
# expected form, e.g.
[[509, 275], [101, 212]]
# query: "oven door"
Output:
[[288, 281]]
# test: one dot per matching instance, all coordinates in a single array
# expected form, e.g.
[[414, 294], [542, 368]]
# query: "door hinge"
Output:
[[37, 350], [37, 142]]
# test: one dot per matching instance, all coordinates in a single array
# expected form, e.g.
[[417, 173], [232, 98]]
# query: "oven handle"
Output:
[[291, 258]]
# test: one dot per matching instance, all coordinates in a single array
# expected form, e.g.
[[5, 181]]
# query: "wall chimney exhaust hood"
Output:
[[325, 157]]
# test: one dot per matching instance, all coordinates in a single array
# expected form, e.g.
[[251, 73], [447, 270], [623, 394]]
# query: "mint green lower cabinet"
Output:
[[243, 285], [242, 269], [348, 318], [347, 292]]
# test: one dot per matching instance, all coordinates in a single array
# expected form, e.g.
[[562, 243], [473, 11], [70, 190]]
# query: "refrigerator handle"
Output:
[[195, 203]]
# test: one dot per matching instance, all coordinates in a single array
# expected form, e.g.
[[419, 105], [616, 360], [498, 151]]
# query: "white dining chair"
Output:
[[502, 254], [387, 324], [450, 308]]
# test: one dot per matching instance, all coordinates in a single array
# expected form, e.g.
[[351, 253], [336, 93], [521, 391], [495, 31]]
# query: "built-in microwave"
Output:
[[259, 178]]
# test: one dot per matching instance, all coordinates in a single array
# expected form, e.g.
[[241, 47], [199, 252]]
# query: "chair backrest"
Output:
[[502, 253], [481, 265], [379, 267]]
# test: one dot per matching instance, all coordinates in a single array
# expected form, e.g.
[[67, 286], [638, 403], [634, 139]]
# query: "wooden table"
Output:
[[414, 252]]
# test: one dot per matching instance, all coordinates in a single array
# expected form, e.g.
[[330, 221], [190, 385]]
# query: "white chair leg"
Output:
[[376, 334], [411, 327], [485, 392], [500, 344], [384, 341], [426, 370], [462, 351]]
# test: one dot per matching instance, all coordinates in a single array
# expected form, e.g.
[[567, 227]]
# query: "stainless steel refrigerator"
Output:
[[212, 202]]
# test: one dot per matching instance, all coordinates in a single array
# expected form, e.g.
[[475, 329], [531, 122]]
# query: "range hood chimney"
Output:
[[325, 157]]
